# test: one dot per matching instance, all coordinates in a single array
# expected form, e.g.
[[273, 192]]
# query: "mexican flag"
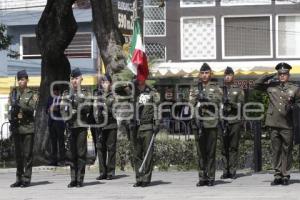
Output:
[[137, 60]]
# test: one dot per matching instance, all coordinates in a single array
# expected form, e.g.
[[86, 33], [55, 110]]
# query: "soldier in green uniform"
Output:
[[76, 127], [106, 141], [233, 100], [282, 95], [22, 101], [205, 126], [144, 125]]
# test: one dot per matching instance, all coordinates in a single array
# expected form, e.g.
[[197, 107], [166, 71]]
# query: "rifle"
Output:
[[224, 123], [14, 109], [99, 112], [201, 98], [68, 154]]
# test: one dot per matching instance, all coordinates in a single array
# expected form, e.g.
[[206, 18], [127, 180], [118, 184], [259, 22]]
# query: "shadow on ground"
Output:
[[159, 182], [40, 183]]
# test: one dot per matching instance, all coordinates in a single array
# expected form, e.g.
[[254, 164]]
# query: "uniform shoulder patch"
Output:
[[35, 97]]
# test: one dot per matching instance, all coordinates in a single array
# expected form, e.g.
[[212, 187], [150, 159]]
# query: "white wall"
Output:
[[26, 4], [3, 115]]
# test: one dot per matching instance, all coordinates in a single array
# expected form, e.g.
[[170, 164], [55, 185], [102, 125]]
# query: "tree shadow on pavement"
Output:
[[40, 183]]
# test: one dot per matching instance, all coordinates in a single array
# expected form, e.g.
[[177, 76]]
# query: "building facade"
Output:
[[223, 32]]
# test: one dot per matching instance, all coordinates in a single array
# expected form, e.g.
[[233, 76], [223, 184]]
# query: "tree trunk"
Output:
[[109, 38], [55, 32]]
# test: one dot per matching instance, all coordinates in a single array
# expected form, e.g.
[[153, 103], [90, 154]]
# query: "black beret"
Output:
[[75, 73], [283, 67], [22, 74], [228, 70], [205, 67]]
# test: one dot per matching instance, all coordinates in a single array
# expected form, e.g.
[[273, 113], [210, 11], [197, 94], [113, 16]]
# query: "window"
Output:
[[155, 51], [198, 38], [244, 2], [80, 47], [288, 36], [197, 3], [247, 37], [154, 18], [29, 48]]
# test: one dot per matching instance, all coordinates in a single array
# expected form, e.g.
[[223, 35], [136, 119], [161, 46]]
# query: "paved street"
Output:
[[51, 184]]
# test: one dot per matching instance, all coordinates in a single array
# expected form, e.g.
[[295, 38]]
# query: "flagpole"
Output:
[[135, 9]]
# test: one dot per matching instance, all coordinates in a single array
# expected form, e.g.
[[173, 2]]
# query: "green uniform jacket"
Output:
[[27, 104], [236, 98], [281, 96], [108, 100], [213, 93], [79, 100], [147, 102]]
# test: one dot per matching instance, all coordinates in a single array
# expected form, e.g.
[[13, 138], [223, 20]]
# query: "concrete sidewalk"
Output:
[[52, 184]]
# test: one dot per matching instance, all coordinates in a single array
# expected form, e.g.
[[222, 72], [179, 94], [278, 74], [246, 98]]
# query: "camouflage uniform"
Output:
[[106, 136], [230, 141], [76, 132], [23, 132]]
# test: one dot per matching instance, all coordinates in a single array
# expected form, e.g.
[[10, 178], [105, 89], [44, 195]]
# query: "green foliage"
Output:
[[181, 155], [5, 40], [256, 96]]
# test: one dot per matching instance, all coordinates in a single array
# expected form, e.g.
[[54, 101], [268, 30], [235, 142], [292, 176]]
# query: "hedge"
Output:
[[178, 154]]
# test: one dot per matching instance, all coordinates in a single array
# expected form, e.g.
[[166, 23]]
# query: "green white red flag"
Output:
[[137, 60]]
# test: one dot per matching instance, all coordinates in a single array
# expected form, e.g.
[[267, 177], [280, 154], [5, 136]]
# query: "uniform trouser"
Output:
[[141, 141], [94, 132], [24, 156], [78, 151], [57, 140], [282, 145], [230, 148], [206, 150], [106, 146]]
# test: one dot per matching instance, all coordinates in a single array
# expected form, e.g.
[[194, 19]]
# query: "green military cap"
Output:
[[283, 68], [205, 67], [22, 74], [75, 73], [228, 70]]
